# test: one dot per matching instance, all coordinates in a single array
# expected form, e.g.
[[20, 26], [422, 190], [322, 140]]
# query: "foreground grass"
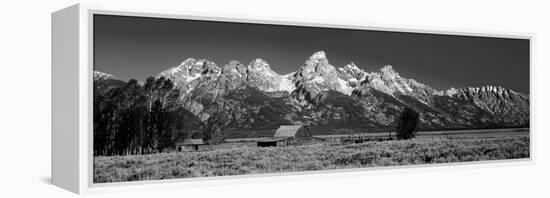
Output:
[[305, 158]]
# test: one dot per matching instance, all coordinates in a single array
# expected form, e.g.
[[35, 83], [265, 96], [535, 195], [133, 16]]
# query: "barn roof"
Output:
[[191, 142], [287, 130]]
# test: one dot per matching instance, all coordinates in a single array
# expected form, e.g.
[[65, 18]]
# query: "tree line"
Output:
[[137, 119]]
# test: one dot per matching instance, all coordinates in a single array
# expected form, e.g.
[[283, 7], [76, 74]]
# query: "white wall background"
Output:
[[25, 98]]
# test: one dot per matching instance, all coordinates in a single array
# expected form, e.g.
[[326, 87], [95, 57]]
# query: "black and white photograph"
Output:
[[182, 98]]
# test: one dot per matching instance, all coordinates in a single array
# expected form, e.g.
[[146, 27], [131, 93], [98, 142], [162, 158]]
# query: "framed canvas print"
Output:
[[149, 96]]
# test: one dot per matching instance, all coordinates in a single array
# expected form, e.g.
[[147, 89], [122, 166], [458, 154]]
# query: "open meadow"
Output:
[[319, 156]]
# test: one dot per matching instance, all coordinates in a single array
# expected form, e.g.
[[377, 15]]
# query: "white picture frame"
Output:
[[72, 41]]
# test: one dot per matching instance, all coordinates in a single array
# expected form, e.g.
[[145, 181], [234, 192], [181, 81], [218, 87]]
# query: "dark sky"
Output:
[[136, 47]]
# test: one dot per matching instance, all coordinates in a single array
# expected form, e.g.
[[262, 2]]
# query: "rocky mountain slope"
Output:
[[104, 81], [253, 96]]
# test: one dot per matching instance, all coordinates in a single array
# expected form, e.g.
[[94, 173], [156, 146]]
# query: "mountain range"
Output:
[[326, 97]]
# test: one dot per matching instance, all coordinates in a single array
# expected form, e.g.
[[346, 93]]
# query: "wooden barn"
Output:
[[272, 141], [192, 145], [286, 135]]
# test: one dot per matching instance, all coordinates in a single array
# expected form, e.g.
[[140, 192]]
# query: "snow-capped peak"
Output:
[[318, 55], [188, 61], [318, 64], [490, 89], [388, 73], [103, 76], [388, 69], [352, 67], [351, 71], [451, 92], [262, 77], [259, 65], [318, 75], [235, 69], [189, 70]]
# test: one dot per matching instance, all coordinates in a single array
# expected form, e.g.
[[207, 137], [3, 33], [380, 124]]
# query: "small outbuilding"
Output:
[[192, 145], [286, 135]]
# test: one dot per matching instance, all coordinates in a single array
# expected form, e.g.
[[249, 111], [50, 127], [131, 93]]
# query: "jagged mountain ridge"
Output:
[[97, 75], [322, 95], [105, 81]]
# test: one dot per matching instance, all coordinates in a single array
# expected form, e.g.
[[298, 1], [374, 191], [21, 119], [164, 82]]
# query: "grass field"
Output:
[[323, 156]]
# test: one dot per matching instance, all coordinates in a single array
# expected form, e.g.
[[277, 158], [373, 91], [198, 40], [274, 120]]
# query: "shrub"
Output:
[[407, 124]]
